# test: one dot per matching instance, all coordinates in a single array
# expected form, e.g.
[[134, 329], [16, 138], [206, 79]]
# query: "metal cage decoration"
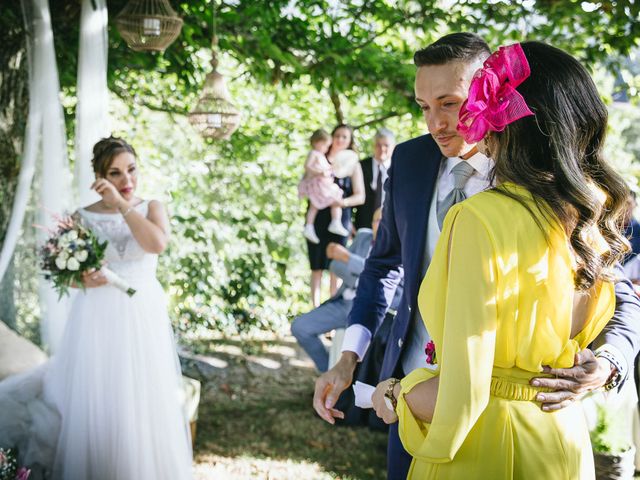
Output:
[[148, 25], [215, 116]]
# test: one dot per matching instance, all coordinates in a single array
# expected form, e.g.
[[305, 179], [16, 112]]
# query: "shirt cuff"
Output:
[[613, 355], [356, 339]]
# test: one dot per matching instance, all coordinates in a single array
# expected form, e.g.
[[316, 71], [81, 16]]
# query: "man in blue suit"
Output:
[[425, 174]]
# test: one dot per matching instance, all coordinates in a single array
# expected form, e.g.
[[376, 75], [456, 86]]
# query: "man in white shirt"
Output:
[[427, 175]]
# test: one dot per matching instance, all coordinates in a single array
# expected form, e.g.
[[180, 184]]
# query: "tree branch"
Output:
[[140, 100], [335, 99], [376, 120]]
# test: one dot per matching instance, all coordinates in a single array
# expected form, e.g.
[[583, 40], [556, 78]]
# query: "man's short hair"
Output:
[[455, 46], [385, 133]]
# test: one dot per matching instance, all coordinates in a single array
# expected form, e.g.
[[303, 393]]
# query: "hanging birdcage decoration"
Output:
[[148, 25], [215, 116]]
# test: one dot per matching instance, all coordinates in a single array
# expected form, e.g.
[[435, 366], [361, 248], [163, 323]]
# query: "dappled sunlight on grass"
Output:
[[256, 420]]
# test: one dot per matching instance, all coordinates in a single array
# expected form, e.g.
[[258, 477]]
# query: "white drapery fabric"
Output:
[[29, 150], [45, 140], [55, 192], [92, 114]]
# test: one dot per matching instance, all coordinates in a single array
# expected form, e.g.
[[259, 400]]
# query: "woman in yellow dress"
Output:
[[522, 277]]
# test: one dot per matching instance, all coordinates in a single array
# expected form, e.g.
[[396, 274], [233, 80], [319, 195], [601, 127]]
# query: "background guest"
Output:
[[332, 314], [353, 187], [374, 171]]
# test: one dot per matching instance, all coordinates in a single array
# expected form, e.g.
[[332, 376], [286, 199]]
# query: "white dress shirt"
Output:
[[383, 167]]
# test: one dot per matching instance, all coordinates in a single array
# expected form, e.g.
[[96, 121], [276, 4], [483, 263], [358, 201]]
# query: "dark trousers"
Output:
[[398, 460]]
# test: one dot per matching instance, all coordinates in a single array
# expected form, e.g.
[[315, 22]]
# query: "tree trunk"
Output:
[[335, 99]]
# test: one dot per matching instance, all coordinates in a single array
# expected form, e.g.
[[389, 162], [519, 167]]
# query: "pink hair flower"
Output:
[[493, 101]]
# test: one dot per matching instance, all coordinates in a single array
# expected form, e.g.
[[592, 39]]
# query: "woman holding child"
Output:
[[353, 190]]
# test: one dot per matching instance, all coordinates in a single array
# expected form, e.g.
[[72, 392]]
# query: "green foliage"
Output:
[[622, 147], [611, 432], [237, 259], [13, 109], [342, 47]]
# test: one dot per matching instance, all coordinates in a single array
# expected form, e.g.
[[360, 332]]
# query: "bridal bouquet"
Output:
[[72, 250]]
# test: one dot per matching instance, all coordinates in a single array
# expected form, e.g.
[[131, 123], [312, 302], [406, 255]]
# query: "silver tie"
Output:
[[461, 173]]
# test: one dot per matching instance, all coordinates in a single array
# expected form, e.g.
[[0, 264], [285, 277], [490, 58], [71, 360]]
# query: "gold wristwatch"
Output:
[[389, 392]]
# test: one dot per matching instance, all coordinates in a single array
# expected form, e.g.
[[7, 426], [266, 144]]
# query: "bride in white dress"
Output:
[[106, 406]]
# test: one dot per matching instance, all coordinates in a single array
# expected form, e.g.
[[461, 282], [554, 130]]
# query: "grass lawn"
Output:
[[256, 419]]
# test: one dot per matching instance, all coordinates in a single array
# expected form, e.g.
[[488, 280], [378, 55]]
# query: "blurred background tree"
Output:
[[237, 261]]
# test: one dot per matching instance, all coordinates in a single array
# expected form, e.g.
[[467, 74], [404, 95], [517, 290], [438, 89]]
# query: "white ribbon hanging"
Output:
[[92, 111], [54, 181]]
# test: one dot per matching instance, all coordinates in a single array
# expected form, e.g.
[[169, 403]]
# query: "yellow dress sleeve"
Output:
[[458, 301]]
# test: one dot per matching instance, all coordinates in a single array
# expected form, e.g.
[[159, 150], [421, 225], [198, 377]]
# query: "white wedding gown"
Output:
[[106, 405]]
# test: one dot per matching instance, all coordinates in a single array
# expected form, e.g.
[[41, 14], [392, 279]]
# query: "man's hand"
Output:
[[587, 374], [335, 251], [387, 415], [331, 384]]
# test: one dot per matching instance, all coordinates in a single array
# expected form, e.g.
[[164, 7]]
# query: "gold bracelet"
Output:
[[126, 212]]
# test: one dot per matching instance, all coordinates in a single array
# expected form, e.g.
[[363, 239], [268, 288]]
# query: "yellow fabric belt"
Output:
[[513, 384]]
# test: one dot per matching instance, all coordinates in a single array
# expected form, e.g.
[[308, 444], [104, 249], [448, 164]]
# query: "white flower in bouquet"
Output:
[[72, 235], [81, 255], [73, 264], [61, 263], [63, 241]]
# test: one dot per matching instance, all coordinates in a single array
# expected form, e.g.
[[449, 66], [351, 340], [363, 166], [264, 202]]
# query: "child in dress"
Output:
[[318, 186]]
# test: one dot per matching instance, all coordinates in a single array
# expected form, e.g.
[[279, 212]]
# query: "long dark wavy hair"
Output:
[[557, 156]]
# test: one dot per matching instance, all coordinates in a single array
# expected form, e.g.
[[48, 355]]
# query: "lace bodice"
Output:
[[124, 254]]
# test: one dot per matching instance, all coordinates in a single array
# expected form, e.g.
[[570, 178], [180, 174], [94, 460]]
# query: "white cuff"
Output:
[[618, 361], [356, 339]]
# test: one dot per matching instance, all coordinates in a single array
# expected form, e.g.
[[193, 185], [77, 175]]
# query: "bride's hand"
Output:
[[93, 279], [109, 193]]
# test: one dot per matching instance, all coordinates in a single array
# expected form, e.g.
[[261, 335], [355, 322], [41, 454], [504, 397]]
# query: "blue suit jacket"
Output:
[[399, 248]]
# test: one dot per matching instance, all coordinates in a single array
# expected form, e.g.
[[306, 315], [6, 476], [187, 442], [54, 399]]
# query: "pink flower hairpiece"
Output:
[[493, 101]]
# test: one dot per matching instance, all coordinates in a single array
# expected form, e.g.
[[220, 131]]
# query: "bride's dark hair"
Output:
[[557, 156], [105, 150]]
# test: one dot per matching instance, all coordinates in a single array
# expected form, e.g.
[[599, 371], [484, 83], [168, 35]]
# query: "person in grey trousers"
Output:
[[346, 264]]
